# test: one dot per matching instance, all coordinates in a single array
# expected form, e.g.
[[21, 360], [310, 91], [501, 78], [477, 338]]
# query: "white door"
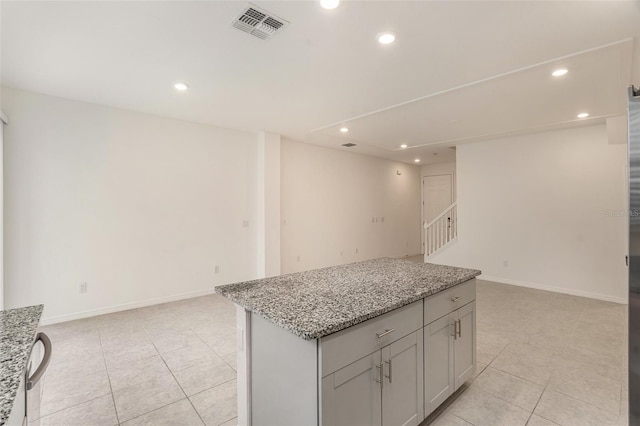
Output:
[[437, 196]]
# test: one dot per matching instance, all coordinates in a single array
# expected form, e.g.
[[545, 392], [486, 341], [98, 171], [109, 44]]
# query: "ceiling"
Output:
[[458, 72]]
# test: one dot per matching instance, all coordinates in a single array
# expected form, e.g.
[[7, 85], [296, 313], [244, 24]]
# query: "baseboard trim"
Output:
[[124, 307], [570, 291], [433, 256]]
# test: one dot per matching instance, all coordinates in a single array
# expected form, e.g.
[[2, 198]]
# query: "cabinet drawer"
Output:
[[449, 300], [342, 348]]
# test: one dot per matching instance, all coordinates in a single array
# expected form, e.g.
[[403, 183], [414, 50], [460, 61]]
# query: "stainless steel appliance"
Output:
[[36, 368], [634, 256]]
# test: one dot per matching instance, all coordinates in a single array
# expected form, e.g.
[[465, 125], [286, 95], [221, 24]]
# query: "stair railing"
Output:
[[441, 230]]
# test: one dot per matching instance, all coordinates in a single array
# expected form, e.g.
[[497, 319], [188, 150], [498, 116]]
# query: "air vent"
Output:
[[259, 22], [349, 144]]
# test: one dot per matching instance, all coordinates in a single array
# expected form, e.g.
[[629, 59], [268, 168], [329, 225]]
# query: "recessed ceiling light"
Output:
[[344, 129], [417, 160], [583, 115], [559, 72], [181, 86], [386, 37], [404, 145], [329, 4]]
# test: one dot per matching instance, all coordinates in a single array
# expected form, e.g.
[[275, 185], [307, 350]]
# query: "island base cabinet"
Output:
[[438, 362], [449, 355], [402, 400], [384, 388], [465, 344], [351, 395]]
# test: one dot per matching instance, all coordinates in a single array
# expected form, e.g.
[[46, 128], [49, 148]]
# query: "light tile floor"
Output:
[[543, 358]]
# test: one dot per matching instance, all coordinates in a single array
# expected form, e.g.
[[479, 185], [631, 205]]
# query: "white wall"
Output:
[[268, 208], [140, 207], [532, 210], [329, 198], [2, 123]]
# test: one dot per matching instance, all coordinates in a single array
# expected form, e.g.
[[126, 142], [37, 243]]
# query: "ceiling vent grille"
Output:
[[348, 144], [259, 22]]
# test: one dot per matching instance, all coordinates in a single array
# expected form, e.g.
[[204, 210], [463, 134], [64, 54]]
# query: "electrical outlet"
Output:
[[245, 223], [83, 287], [505, 263], [382, 219], [340, 252], [356, 250], [298, 258], [216, 269]]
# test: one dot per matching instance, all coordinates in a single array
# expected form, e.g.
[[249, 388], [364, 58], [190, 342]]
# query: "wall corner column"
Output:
[[268, 205]]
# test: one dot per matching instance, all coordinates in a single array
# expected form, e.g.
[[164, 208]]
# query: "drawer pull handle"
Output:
[[455, 299], [381, 335], [379, 367]]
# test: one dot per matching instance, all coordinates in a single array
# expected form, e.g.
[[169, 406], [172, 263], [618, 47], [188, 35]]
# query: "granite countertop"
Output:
[[316, 303], [18, 328]]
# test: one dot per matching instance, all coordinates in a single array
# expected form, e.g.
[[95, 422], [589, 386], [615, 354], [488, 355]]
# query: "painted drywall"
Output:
[[438, 168], [338, 207], [545, 210], [268, 207], [2, 119], [139, 207]]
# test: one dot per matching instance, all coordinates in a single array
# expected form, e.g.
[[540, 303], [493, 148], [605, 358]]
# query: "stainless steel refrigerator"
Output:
[[634, 256]]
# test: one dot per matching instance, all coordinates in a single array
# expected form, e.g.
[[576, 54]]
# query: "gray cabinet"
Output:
[[351, 395], [438, 363], [402, 363], [393, 369], [383, 388], [449, 355], [465, 344]]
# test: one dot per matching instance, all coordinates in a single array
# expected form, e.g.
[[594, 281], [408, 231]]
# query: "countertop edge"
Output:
[[351, 322]]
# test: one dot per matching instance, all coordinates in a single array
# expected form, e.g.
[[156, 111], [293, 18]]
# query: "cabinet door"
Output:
[[402, 391], [465, 344], [351, 396], [438, 362]]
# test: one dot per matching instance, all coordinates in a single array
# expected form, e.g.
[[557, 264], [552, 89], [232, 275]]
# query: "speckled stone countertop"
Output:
[[18, 329], [317, 303]]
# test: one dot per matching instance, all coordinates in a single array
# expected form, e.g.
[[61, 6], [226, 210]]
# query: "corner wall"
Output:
[[333, 204], [141, 208], [545, 210]]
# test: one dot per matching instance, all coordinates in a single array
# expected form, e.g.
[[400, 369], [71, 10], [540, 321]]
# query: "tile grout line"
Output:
[[172, 375], [182, 389], [80, 403], [225, 361], [106, 367], [564, 348]]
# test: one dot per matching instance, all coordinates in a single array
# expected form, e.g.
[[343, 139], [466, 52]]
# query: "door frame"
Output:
[[454, 197], [3, 121]]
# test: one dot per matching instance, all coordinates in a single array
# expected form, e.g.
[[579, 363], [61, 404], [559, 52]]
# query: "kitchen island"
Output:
[[377, 342], [18, 328]]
